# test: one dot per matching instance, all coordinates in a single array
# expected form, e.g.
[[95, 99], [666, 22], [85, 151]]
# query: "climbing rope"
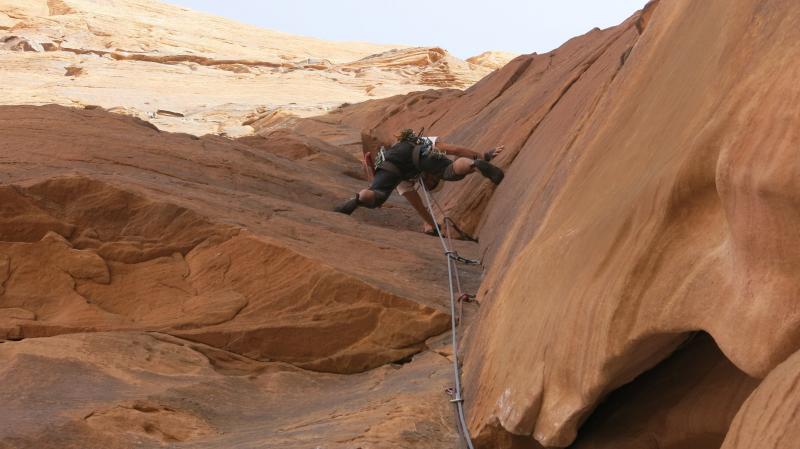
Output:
[[448, 222], [455, 285]]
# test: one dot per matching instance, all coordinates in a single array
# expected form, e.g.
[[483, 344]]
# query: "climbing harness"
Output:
[[423, 147], [380, 162], [383, 164], [455, 285]]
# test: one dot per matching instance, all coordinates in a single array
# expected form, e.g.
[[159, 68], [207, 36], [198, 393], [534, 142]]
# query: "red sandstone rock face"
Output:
[[667, 221], [129, 235], [195, 277], [650, 193]]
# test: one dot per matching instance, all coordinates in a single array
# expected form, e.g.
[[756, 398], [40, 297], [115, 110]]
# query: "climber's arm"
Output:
[[459, 151]]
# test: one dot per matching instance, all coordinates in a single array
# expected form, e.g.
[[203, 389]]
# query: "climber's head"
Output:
[[406, 135]]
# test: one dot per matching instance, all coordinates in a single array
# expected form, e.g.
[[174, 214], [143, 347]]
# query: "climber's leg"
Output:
[[378, 192], [462, 166]]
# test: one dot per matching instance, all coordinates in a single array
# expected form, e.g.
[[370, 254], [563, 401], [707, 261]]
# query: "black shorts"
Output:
[[382, 184], [434, 165], [385, 181]]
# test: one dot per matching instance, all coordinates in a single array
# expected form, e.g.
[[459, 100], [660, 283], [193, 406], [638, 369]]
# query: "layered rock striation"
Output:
[[192, 72]]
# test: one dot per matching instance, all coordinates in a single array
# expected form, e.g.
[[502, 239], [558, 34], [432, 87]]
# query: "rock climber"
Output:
[[414, 157], [408, 189]]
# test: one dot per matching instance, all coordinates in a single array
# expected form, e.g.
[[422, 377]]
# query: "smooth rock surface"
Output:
[[650, 193], [675, 213]]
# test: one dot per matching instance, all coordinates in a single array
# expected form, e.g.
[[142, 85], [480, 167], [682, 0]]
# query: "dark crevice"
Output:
[[660, 407], [549, 110], [644, 16], [511, 81], [569, 85], [404, 360], [624, 56], [437, 120], [582, 123]]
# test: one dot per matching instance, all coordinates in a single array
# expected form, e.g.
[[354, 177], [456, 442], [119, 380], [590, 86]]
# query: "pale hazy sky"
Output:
[[463, 27]]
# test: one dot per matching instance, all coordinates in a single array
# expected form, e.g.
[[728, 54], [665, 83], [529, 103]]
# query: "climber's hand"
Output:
[[491, 154]]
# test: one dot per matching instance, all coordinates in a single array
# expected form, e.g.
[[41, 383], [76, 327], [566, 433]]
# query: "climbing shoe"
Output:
[[495, 174], [348, 206]]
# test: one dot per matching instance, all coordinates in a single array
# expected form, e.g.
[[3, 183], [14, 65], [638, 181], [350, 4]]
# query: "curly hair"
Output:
[[406, 135]]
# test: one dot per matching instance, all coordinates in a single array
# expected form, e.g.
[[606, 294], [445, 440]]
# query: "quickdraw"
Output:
[[466, 297], [380, 159], [455, 256]]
